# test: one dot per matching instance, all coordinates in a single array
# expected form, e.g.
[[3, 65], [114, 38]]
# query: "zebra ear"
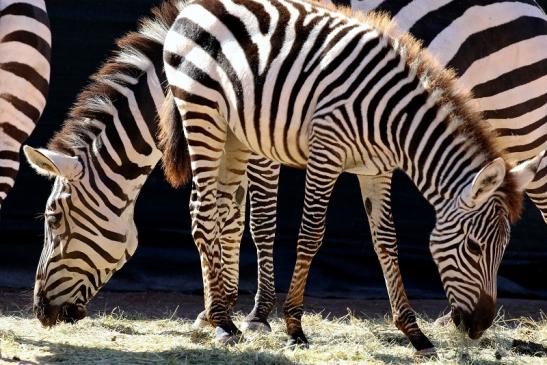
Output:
[[53, 163], [484, 184], [524, 173]]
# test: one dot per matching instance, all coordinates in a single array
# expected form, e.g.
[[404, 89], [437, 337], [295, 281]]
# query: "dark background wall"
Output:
[[346, 266]]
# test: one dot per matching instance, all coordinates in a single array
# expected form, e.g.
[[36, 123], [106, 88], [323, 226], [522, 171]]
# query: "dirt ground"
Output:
[[168, 304]]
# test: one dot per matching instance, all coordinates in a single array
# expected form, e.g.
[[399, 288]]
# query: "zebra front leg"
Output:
[[263, 177], [375, 191], [324, 167], [537, 190]]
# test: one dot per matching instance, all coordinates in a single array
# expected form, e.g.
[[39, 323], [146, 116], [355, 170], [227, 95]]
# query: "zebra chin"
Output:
[[479, 320], [50, 315]]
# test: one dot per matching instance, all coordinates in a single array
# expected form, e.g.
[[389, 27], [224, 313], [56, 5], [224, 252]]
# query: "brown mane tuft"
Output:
[[144, 46]]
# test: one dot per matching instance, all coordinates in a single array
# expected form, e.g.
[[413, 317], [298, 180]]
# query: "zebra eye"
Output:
[[473, 246], [54, 220]]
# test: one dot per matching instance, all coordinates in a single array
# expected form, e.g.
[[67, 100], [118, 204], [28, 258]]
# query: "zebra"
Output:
[[517, 66], [313, 86], [262, 183], [100, 159], [25, 51]]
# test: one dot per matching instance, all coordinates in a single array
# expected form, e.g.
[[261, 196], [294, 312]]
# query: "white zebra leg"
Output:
[[324, 167], [376, 194], [537, 190], [263, 181]]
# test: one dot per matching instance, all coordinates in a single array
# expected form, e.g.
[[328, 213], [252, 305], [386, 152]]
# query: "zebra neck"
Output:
[[123, 153], [438, 155]]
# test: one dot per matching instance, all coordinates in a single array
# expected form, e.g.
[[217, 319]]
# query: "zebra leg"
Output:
[[231, 200], [231, 226], [537, 190], [375, 191], [324, 167], [263, 180], [206, 166]]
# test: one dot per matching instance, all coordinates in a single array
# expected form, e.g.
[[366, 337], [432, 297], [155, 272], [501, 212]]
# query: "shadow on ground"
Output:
[[82, 355]]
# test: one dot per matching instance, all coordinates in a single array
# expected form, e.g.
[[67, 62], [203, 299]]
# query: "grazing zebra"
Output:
[[311, 86], [511, 96], [25, 50], [100, 160]]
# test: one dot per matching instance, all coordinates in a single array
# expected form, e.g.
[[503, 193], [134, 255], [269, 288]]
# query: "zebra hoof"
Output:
[[256, 326], [224, 338], [298, 340], [201, 321], [429, 353]]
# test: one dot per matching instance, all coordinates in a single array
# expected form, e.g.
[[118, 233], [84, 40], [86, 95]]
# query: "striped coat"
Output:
[[25, 50], [308, 86]]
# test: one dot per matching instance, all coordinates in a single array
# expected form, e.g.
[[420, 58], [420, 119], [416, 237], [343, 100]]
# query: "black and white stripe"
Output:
[[499, 51], [311, 87], [25, 50]]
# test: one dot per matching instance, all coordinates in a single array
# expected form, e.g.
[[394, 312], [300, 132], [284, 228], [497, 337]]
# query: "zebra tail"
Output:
[[172, 142]]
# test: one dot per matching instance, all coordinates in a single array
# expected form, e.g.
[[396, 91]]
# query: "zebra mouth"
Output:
[[50, 315]]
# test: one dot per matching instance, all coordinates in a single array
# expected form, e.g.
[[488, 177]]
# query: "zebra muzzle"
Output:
[[478, 321], [49, 315]]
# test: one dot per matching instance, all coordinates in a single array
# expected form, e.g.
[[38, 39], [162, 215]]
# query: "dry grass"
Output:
[[116, 338]]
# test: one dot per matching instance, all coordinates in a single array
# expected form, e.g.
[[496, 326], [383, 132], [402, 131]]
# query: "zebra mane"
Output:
[[443, 84], [135, 54]]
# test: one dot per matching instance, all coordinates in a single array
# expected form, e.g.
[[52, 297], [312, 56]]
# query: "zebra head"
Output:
[[85, 242], [470, 237]]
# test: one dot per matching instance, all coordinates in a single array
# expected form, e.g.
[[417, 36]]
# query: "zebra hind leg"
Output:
[[263, 180], [231, 207], [205, 217], [231, 199], [324, 167], [375, 191]]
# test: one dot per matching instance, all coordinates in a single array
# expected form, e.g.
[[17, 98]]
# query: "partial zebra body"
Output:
[[25, 50], [508, 78], [498, 49], [311, 86], [100, 160]]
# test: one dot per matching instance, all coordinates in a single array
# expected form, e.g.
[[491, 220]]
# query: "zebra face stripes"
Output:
[[280, 84], [100, 160], [84, 242], [25, 50]]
